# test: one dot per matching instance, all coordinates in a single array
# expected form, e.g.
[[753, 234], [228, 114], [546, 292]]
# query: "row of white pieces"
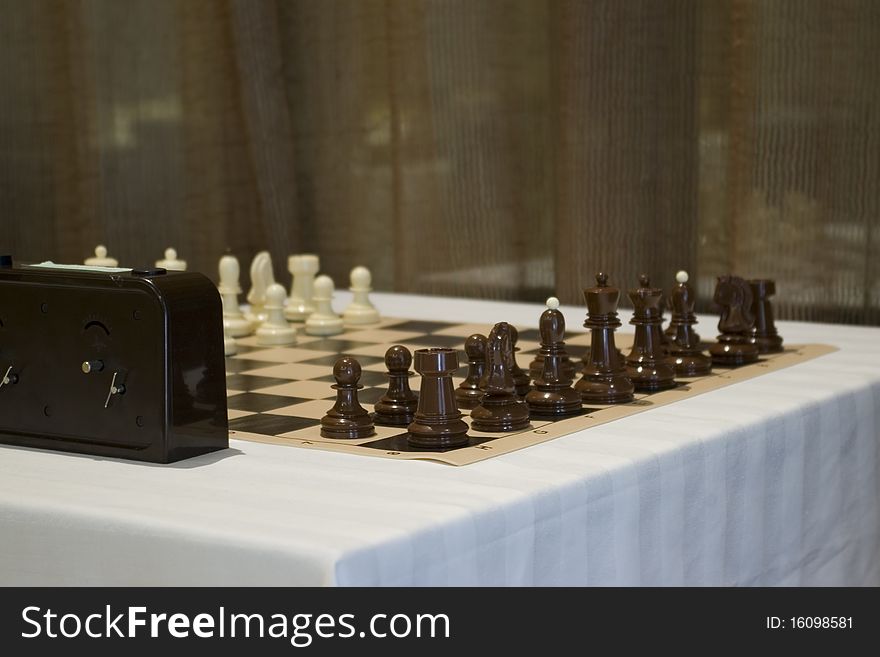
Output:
[[275, 330], [101, 259], [301, 304]]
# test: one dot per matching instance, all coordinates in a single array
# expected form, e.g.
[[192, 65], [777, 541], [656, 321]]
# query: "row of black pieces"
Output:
[[499, 393]]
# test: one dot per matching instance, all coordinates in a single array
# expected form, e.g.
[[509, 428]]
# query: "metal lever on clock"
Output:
[[9, 378], [115, 389]]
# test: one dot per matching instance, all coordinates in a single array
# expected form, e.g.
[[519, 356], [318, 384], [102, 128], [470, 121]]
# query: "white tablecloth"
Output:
[[773, 481]]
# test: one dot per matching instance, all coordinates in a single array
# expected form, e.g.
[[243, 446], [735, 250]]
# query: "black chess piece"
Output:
[[521, 380], [685, 348], [553, 396], [646, 365], [604, 378], [468, 393], [437, 423], [764, 335], [500, 409], [347, 419], [397, 407], [734, 346]]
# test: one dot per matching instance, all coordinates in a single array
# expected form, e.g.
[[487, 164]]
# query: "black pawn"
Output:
[[500, 409], [521, 380], [468, 393], [397, 407], [647, 366], [347, 419], [685, 348], [553, 396]]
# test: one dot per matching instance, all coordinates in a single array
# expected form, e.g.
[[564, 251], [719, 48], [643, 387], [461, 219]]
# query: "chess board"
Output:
[[279, 394]]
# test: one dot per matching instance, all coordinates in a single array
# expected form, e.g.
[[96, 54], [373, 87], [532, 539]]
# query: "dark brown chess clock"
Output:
[[685, 347], [500, 409], [397, 407], [764, 336], [646, 365], [123, 363], [604, 378], [734, 345], [347, 420], [437, 423], [468, 393], [553, 396]]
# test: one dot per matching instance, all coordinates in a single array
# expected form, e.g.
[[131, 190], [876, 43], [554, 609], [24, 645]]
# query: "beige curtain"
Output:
[[497, 149]]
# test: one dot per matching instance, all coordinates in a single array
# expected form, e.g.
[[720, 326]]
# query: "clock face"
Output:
[[87, 360]]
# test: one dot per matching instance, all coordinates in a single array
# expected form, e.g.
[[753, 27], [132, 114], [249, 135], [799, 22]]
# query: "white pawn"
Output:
[[233, 319], [361, 310], [303, 268], [229, 346], [261, 278], [101, 259], [275, 330], [170, 262], [324, 321]]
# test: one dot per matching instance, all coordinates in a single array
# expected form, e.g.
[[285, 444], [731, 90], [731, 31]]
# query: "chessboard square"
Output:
[[241, 349], [387, 336], [292, 371], [449, 341], [529, 335], [314, 408], [578, 339], [369, 396], [234, 414], [257, 402], [378, 364], [464, 331], [334, 346], [377, 350], [233, 393], [284, 355], [422, 326], [302, 389], [527, 345], [249, 383], [365, 361], [367, 378], [249, 341], [239, 365], [271, 425]]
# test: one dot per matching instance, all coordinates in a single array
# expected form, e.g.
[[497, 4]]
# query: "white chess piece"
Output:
[[101, 258], [324, 321], [275, 330], [361, 310], [262, 277], [171, 262], [681, 277], [303, 267], [229, 346], [233, 319]]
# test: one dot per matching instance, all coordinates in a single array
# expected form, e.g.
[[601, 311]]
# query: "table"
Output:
[[773, 481]]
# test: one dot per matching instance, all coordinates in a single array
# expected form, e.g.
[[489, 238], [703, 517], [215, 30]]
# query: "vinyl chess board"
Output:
[[278, 395]]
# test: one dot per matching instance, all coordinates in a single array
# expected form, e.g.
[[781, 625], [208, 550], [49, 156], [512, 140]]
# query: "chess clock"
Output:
[[124, 363]]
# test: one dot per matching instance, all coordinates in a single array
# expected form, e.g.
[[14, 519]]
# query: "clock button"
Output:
[[148, 272]]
